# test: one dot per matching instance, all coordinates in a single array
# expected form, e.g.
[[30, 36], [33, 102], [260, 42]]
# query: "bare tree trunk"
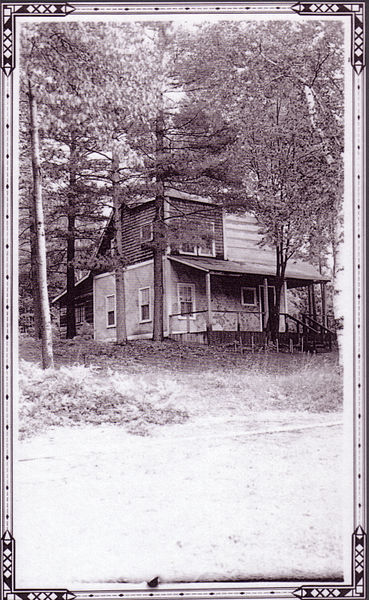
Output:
[[71, 246], [120, 301], [159, 237], [34, 278], [46, 331]]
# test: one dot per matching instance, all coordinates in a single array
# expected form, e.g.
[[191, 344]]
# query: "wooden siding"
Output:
[[132, 220], [243, 237], [136, 216]]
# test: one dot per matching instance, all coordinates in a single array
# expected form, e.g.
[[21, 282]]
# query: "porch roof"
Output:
[[263, 266]]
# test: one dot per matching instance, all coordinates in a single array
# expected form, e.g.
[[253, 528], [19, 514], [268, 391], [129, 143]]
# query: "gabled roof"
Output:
[[267, 267]]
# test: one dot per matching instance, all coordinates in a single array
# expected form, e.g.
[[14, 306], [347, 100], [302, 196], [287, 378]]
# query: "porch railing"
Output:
[[310, 333], [305, 333], [190, 314]]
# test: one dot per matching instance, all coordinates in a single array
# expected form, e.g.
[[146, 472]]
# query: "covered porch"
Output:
[[234, 304]]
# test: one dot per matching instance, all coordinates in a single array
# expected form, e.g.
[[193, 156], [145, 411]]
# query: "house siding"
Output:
[[83, 297], [140, 276], [244, 239], [132, 220], [104, 285]]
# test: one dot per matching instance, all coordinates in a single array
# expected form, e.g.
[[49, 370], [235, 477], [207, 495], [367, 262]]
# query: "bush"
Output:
[[78, 395]]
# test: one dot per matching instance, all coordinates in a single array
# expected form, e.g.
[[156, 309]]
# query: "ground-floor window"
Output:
[[144, 301], [110, 310], [248, 296], [80, 314], [186, 298]]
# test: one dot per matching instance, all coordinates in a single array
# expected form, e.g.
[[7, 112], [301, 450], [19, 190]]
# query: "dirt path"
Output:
[[257, 496]]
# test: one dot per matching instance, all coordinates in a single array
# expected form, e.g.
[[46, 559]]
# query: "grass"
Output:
[[144, 384]]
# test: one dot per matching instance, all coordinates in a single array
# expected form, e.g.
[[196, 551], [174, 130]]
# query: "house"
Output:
[[217, 282]]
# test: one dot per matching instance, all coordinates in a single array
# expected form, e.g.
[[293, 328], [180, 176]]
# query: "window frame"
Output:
[[140, 305], [82, 311], [110, 325], [193, 297], [245, 287], [194, 253]]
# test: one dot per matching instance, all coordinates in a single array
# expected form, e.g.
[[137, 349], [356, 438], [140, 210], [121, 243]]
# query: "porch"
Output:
[[227, 303], [302, 334]]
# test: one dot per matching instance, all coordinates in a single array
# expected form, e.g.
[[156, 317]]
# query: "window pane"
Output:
[[111, 317], [145, 312], [145, 296], [80, 314], [185, 293], [248, 296], [188, 247], [186, 307], [110, 303]]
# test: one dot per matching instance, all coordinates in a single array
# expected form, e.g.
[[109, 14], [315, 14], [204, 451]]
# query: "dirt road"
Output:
[[212, 498]]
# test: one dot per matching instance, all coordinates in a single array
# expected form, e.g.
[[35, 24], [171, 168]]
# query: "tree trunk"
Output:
[[274, 314], [159, 236], [34, 277], [276, 308], [71, 245], [120, 301], [46, 331]]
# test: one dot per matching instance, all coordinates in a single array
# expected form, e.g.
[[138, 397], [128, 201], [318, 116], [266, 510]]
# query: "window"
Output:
[[146, 233], [110, 310], [248, 296], [207, 246], [144, 300], [186, 299], [188, 248], [80, 314]]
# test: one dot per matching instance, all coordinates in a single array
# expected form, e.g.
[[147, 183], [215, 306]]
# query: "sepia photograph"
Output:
[[183, 269]]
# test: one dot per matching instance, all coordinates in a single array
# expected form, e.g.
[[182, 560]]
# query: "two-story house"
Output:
[[220, 279]]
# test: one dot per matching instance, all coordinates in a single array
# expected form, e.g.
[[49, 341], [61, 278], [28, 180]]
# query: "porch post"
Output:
[[324, 303], [209, 324], [309, 300], [266, 303], [283, 320], [313, 305]]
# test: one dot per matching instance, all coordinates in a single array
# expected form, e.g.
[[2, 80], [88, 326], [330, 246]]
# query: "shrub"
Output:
[[78, 395]]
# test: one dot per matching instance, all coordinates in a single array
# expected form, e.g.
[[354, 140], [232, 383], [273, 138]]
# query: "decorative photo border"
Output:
[[10, 16]]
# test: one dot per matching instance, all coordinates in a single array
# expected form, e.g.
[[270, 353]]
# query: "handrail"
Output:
[[323, 327], [195, 312], [299, 322]]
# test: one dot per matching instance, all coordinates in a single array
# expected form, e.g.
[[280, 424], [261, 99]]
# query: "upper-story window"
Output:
[[146, 233], [206, 247]]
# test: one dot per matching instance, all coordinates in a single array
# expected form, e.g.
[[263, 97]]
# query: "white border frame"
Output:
[[355, 334]]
